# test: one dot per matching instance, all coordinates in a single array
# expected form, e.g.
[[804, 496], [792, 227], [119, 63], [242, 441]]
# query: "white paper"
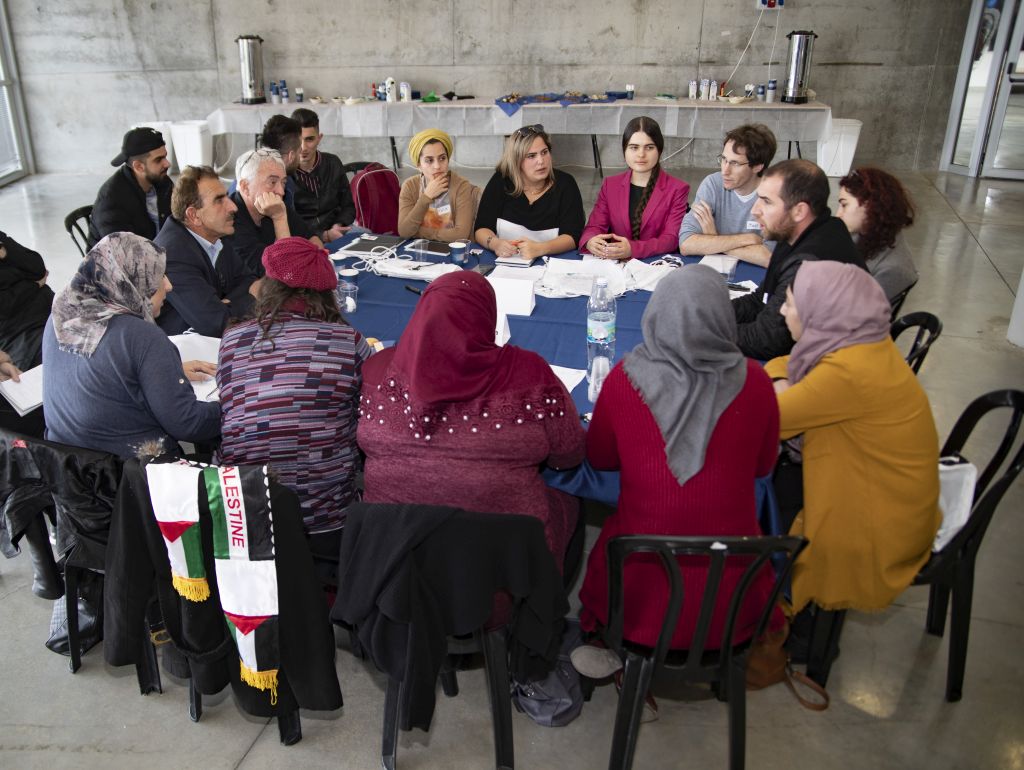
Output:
[[412, 270], [645, 277], [513, 296], [196, 347], [575, 277], [26, 395], [510, 231], [501, 330], [749, 285], [722, 263], [569, 377], [534, 273]]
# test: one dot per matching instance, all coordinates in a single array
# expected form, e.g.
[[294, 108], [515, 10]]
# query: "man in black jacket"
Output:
[[137, 198], [322, 195], [211, 283], [792, 207]]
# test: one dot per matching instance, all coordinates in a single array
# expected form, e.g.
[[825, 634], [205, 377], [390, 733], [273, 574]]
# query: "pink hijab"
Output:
[[840, 305]]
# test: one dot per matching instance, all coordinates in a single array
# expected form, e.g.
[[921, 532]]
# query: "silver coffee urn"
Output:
[[798, 66], [250, 58]]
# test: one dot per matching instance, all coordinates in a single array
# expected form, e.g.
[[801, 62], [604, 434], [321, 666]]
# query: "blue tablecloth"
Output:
[[556, 330]]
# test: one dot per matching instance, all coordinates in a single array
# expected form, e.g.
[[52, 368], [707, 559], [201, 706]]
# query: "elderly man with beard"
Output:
[[792, 208], [211, 283], [137, 198]]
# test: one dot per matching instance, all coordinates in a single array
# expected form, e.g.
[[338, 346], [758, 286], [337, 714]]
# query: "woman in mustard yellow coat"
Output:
[[869, 445]]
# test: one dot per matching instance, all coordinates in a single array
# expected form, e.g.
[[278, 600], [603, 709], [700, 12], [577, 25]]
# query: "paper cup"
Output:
[[459, 251]]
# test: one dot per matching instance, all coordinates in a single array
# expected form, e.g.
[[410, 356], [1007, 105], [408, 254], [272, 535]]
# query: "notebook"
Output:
[[26, 395]]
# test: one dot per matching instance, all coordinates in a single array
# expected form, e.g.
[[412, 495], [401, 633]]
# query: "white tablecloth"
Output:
[[811, 122]]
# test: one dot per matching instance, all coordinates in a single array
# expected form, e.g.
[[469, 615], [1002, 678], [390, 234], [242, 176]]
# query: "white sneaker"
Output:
[[595, 662]]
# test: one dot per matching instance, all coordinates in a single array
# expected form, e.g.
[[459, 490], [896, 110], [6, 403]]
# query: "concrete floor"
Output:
[[887, 688]]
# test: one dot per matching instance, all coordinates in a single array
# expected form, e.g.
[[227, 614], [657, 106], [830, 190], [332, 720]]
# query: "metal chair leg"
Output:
[[389, 739], [71, 603], [636, 680], [496, 666], [597, 155], [396, 159]]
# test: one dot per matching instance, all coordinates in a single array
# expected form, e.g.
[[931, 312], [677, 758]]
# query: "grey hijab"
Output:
[[117, 277], [688, 369]]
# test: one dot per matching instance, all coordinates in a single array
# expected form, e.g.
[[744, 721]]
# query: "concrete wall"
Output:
[[90, 68]]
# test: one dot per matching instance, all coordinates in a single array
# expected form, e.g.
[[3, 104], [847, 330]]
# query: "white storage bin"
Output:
[[193, 143]]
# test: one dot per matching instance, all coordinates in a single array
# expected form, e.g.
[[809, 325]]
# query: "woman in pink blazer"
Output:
[[638, 212]]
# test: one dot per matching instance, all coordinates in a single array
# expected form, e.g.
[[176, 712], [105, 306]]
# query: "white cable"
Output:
[[672, 155], [778, 23], [729, 79]]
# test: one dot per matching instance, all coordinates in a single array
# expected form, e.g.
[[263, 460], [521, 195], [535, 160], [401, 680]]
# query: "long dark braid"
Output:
[[638, 213]]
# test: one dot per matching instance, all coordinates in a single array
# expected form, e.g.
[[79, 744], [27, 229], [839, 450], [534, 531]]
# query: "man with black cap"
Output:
[[137, 198]]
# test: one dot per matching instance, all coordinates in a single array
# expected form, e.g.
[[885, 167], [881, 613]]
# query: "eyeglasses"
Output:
[[536, 128], [257, 156], [730, 163]]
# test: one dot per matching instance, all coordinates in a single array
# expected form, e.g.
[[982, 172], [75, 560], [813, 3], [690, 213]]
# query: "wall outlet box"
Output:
[[768, 5]]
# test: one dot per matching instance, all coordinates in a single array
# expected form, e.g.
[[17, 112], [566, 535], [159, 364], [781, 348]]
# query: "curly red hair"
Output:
[[887, 206]]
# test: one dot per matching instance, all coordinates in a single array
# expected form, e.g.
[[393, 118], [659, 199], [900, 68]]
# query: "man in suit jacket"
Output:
[[211, 283], [137, 198]]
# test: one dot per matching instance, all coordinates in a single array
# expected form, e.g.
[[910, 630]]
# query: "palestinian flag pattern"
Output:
[[177, 515], [243, 550]]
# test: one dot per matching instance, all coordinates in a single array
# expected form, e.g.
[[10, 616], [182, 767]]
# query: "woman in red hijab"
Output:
[[449, 418]]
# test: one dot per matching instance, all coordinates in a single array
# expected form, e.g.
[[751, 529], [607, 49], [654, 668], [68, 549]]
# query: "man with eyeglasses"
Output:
[[792, 207], [263, 217], [719, 222], [137, 198]]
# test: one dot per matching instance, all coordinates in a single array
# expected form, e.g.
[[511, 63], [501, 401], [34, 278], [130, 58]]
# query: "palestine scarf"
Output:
[[238, 499]]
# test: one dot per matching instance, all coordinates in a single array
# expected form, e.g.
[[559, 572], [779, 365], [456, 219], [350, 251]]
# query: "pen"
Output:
[[413, 289]]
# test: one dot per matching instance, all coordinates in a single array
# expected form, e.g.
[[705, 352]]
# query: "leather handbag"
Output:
[[768, 664]]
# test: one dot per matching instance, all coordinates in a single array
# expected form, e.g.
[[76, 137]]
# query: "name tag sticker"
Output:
[[444, 210], [753, 224]]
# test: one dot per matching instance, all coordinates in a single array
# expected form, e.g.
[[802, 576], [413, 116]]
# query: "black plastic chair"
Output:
[[929, 327], [951, 570], [77, 223], [897, 301], [356, 166], [725, 670]]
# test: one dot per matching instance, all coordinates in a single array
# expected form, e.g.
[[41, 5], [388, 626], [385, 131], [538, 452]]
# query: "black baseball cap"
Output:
[[138, 141]]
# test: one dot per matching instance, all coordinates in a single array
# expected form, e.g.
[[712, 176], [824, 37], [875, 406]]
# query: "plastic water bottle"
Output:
[[600, 336]]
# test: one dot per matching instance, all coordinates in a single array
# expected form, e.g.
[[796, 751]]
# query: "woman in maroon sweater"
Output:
[[450, 418], [689, 423]]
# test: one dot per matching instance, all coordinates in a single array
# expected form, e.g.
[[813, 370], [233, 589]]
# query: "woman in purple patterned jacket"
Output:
[[289, 385]]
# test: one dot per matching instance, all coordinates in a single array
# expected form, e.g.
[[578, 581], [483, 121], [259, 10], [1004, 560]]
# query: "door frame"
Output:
[[1002, 100], [22, 138]]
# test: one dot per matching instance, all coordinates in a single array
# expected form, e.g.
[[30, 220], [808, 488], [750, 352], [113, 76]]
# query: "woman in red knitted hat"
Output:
[[289, 386]]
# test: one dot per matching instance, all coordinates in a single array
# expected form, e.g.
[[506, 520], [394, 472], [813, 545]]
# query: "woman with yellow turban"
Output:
[[436, 204]]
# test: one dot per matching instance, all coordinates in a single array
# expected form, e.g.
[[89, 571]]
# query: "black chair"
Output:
[[897, 301], [951, 570], [725, 670], [77, 223], [929, 327], [412, 616]]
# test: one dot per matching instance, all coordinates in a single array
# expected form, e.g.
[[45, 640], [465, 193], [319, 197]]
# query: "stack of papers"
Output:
[[196, 347], [27, 394], [575, 277]]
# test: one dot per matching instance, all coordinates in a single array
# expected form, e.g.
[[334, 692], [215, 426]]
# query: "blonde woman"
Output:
[[529, 208], [436, 204]]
